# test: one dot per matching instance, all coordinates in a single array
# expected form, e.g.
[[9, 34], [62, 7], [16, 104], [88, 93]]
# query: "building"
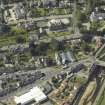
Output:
[[33, 36], [66, 3], [48, 88], [95, 16], [35, 94], [66, 57], [14, 13], [57, 59], [49, 3], [98, 41], [58, 24]]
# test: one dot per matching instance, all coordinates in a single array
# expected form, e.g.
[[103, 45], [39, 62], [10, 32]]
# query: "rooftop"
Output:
[[35, 94]]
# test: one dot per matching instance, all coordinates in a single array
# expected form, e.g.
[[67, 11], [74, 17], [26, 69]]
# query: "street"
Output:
[[49, 71]]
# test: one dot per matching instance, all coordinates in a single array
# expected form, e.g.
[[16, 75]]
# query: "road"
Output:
[[50, 72]]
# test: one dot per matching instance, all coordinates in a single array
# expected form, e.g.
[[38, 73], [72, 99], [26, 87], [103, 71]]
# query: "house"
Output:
[[58, 24], [78, 68], [27, 25], [41, 24], [98, 41], [97, 16], [57, 59], [19, 11], [66, 57], [14, 13], [47, 88], [9, 65], [63, 57], [42, 32], [61, 4], [45, 62], [49, 3], [81, 1], [2, 57], [33, 4], [35, 94], [18, 48], [33, 36], [65, 3]]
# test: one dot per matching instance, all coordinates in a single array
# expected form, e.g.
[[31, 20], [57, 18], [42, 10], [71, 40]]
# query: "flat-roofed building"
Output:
[[35, 94]]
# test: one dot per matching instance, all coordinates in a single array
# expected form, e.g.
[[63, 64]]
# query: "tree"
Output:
[[57, 2], [78, 14], [37, 50], [95, 25], [90, 4], [54, 45], [20, 39], [32, 44], [54, 80], [86, 47], [23, 57], [5, 29], [18, 31], [77, 17], [87, 38], [80, 17], [1, 63]]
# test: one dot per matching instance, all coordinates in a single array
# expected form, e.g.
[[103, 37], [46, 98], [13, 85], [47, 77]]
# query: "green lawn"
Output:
[[11, 38], [103, 102], [55, 11], [102, 99]]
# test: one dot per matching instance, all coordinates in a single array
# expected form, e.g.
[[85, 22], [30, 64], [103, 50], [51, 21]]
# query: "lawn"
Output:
[[101, 53], [103, 102], [11, 38], [55, 11], [58, 34], [102, 99]]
